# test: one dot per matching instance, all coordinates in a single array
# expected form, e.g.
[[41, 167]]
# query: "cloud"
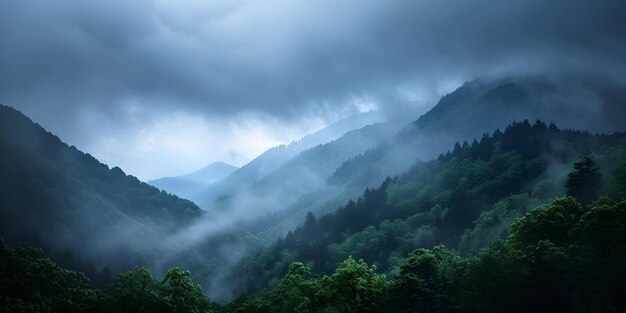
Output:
[[291, 60]]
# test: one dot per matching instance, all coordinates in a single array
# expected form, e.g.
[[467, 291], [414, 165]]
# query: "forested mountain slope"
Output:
[[484, 105], [464, 199], [466, 113], [60, 194], [562, 256], [86, 215]]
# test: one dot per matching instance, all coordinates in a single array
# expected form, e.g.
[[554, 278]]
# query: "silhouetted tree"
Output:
[[309, 228], [584, 182]]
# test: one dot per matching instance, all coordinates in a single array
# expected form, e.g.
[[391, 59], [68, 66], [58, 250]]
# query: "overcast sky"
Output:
[[165, 87]]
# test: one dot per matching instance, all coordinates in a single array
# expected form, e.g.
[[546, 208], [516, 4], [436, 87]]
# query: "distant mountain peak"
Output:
[[187, 185], [275, 157], [212, 172]]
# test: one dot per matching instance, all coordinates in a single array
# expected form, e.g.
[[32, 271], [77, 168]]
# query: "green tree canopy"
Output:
[[355, 287]]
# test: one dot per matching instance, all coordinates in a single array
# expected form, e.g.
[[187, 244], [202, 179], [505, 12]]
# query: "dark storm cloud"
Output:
[[281, 57], [62, 60]]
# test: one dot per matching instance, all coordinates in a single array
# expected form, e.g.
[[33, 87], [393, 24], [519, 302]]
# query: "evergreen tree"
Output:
[[309, 227], [584, 182]]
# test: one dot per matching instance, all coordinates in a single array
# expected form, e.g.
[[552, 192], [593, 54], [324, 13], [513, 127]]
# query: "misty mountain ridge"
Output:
[[464, 199], [306, 172], [473, 109], [346, 157], [85, 204], [66, 199], [85, 214], [480, 106], [300, 184], [274, 157], [596, 105], [187, 185]]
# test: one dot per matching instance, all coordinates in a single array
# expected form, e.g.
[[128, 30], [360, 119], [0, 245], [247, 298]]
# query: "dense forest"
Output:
[[474, 108], [84, 215], [464, 199], [559, 257], [529, 219], [188, 156]]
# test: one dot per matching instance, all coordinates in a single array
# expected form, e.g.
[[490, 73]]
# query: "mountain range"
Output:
[[465, 114], [273, 158], [84, 212]]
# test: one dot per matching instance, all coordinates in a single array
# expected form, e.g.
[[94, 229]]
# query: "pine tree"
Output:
[[584, 182]]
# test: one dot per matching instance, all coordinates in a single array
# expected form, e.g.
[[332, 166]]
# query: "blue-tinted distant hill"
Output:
[[272, 159], [185, 186]]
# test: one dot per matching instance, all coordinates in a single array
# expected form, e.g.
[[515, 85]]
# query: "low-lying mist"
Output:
[[99, 220]]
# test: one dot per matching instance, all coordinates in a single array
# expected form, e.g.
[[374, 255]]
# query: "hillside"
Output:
[[561, 256], [484, 105], [468, 112], [162, 156], [85, 214], [51, 186], [464, 199]]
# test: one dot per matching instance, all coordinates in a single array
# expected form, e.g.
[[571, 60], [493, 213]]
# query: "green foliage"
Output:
[[557, 258], [428, 282], [599, 256], [552, 223], [355, 287], [247, 304], [465, 199], [584, 182], [85, 214], [493, 224], [560, 256], [32, 283], [298, 291], [616, 188], [135, 291], [180, 294], [138, 291], [554, 260], [489, 277]]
